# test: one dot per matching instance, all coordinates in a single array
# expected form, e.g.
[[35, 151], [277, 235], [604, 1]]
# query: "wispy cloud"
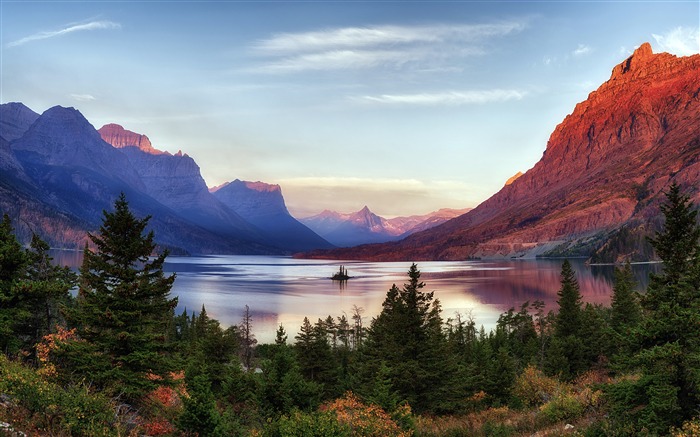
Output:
[[93, 25], [581, 50], [378, 46], [452, 98], [83, 97], [681, 41]]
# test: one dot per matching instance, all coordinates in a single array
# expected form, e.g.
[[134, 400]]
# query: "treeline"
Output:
[[116, 359]]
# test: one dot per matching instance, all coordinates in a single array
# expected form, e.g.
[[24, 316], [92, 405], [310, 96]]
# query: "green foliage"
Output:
[[31, 291], [564, 406], [70, 410], [122, 309], [318, 424], [199, 414], [407, 336], [667, 341]]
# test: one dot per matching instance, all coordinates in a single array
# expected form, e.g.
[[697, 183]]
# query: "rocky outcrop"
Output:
[[263, 206], [119, 137], [604, 168]]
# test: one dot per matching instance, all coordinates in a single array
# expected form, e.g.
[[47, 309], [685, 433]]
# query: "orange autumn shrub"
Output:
[[364, 420], [50, 343]]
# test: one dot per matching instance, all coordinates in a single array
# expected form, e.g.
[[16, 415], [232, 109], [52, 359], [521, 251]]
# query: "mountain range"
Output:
[[59, 174], [596, 190], [363, 226]]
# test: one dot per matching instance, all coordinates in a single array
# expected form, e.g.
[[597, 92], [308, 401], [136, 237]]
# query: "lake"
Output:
[[285, 290]]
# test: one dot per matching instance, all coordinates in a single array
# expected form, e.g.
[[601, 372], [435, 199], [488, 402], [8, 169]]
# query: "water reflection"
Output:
[[285, 290]]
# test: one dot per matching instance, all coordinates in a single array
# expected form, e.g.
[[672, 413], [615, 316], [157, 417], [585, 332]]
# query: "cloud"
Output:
[[581, 50], [93, 25], [682, 41], [452, 98], [83, 97], [378, 46]]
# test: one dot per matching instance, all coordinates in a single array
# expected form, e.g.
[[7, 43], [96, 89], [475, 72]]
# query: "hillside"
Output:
[[599, 180]]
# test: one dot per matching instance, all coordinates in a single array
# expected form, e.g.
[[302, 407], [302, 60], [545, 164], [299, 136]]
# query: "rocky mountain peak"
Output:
[[15, 119], [604, 168], [119, 137]]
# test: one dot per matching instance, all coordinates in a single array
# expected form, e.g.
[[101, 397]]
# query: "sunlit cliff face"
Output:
[[605, 164]]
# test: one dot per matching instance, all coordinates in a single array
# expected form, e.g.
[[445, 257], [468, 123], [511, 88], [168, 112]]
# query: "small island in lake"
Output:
[[341, 274]]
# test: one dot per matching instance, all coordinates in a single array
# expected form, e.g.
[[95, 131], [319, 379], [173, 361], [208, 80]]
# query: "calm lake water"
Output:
[[285, 290]]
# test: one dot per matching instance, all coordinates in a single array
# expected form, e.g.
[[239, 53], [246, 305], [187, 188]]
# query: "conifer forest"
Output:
[[102, 351]]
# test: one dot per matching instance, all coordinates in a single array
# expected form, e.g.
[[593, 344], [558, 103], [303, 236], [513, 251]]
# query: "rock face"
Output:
[[119, 137], [603, 171], [59, 174], [363, 226], [263, 206], [69, 175], [176, 182]]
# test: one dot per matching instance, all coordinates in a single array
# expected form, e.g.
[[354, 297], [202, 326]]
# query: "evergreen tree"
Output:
[[667, 362], [568, 320], [13, 262], [407, 337], [123, 305], [566, 355], [625, 309]]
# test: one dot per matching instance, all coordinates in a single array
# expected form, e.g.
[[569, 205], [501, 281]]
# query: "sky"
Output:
[[403, 106]]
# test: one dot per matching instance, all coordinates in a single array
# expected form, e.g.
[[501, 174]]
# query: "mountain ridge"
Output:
[[604, 169]]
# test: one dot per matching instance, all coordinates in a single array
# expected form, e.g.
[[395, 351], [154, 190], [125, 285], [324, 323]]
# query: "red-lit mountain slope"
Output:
[[599, 181]]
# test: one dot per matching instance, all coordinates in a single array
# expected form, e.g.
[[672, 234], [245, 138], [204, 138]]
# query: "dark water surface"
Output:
[[285, 290]]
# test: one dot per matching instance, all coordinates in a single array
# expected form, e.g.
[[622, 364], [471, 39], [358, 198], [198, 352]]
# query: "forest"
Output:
[[103, 352]]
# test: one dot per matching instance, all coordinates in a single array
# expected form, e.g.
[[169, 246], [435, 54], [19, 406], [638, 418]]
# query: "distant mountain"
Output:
[[597, 189], [263, 206], [59, 175], [363, 226], [15, 119], [176, 182]]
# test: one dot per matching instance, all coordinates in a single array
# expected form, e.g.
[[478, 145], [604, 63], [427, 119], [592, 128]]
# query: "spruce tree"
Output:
[[625, 309], [13, 262], [667, 362], [568, 320], [123, 306], [566, 355], [407, 338]]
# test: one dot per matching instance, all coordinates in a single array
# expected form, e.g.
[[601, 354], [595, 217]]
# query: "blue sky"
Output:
[[405, 107]]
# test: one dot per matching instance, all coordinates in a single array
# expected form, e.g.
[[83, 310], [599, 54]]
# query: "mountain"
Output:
[[263, 206], [68, 175], [363, 226], [15, 119], [597, 188], [176, 182]]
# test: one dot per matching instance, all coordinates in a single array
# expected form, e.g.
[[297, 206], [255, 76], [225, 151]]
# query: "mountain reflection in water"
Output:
[[285, 290]]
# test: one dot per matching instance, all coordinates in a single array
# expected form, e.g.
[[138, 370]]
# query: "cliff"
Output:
[[604, 169]]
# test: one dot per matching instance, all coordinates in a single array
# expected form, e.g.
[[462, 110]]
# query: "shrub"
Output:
[[534, 388], [564, 406], [72, 410]]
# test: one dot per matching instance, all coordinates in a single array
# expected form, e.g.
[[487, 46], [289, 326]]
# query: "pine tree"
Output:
[[625, 309], [13, 262], [407, 337], [667, 391], [567, 356], [123, 305], [568, 320]]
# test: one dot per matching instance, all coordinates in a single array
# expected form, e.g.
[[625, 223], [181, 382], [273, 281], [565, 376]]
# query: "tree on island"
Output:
[[341, 274], [123, 306]]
